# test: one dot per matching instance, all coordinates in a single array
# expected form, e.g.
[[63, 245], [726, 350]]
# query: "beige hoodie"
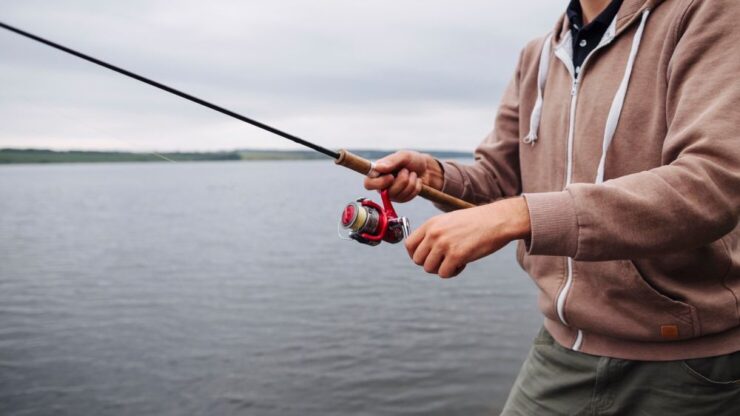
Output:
[[631, 171]]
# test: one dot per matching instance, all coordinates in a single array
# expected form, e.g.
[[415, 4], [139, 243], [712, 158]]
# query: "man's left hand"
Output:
[[445, 244]]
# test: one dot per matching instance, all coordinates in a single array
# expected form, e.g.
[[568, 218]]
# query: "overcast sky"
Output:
[[382, 74]]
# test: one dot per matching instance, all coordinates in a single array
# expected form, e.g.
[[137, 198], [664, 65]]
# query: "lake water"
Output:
[[222, 288]]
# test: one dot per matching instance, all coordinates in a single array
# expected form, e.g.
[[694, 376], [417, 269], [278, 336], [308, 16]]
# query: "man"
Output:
[[615, 160]]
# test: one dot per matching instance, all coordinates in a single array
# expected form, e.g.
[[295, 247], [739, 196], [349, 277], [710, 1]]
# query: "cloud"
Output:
[[381, 74]]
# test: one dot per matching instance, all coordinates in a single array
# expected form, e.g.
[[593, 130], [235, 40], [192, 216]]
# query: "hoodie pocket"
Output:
[[614, 299]]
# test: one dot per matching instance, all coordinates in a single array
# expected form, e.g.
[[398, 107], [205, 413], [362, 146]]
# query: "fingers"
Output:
[[449, 268], [413, 240], [419, 256], [428, 257], [410, 191], [433, 261], [400, 173], [402, 188], [400, 184], [429, 247], [379, 183]]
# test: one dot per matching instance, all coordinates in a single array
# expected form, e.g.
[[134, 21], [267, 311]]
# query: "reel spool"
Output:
[[369, 223]]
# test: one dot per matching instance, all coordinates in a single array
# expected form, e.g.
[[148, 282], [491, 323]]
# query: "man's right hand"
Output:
[[411, 169]]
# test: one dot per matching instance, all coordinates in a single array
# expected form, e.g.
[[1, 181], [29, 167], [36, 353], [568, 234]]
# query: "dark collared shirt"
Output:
[[586, 38]]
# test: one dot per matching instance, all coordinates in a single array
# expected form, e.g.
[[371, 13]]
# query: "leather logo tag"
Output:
[[669, 331]]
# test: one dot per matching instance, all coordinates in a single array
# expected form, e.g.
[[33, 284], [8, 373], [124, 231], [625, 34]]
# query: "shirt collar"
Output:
[[575, 14]]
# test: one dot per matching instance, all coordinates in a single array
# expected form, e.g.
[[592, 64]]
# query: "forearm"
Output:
[[667, 209]]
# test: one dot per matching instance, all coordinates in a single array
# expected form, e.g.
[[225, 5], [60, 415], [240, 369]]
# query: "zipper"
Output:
[[576, 79], [571, 130]]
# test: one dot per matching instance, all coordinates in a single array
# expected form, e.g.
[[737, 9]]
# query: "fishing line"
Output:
[[85, 125]]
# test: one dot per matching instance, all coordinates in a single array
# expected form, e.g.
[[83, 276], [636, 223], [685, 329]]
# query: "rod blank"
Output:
[[343, 158], [174, 91]]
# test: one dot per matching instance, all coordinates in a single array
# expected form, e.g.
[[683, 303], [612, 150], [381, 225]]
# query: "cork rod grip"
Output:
[[364, 166], [434, 195]]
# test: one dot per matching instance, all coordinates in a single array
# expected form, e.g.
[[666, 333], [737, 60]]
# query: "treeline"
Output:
[[8, 156], [76, 156]]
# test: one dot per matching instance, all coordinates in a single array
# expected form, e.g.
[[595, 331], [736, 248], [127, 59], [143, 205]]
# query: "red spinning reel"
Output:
[[369, 223]]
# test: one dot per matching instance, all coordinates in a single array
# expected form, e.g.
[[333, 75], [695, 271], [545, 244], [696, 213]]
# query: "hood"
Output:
[[628, 13]]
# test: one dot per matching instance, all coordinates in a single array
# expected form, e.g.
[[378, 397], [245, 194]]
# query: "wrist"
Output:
[[515, 216], [434, 173]]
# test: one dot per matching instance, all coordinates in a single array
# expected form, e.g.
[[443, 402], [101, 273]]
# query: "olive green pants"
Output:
[[557, 381]]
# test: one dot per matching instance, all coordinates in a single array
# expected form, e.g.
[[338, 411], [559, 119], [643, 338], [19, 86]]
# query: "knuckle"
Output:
[[404, 156], [435, 233]]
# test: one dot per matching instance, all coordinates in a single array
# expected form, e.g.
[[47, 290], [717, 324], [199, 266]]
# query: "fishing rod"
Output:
[[367, 222]]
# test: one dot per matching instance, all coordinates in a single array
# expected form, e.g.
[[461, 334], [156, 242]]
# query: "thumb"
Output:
[[392, 163]]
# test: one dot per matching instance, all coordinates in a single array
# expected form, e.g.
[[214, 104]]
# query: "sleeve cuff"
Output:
[[554, 224]]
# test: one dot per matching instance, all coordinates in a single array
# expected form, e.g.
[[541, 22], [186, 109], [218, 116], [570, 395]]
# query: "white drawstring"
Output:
[[616, 109], [534, 119]]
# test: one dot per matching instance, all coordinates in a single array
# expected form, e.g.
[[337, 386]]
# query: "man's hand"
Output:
[[411, 169], [445, 244]]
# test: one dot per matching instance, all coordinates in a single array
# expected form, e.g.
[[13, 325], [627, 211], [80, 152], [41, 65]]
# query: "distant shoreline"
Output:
[[16, 156]]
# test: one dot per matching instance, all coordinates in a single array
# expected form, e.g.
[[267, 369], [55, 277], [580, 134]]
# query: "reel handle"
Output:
[[361, 165]]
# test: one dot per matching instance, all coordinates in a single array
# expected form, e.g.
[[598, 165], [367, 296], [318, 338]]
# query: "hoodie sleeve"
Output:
[[495, 172], [694, 198]]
